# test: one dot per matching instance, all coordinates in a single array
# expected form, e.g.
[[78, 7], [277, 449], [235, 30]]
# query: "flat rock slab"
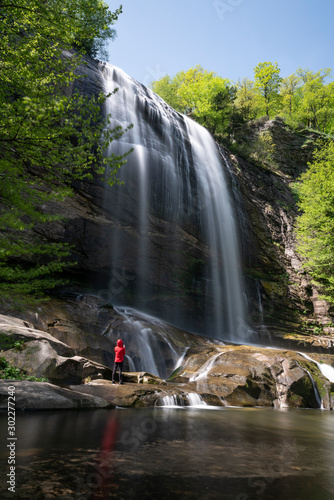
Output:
[[132, 395], [45, 396], [125, 395]]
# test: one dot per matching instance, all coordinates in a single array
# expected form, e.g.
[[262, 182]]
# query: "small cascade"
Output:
[[132, 366], [181, 358], [205, 369], [315, 388], [260, 306], [326, 370], [195, 399], [172, 400]]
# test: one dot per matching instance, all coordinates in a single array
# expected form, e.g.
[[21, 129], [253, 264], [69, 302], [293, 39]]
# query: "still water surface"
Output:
[[170, 453]]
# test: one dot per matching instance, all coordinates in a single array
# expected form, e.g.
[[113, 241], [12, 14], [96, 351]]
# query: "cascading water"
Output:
[[148, 337], [174, 183], [326, 370]]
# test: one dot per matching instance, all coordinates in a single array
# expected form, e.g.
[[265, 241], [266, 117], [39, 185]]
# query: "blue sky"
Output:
[[229, 37]]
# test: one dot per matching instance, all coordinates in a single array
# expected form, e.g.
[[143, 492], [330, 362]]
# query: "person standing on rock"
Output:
[[119, 358]]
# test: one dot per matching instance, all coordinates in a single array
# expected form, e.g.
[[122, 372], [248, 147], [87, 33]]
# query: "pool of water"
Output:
[[168, 453]]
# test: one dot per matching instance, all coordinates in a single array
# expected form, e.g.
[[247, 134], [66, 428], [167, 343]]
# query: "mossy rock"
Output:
[[301, 394], [272, 288], [8, 342]]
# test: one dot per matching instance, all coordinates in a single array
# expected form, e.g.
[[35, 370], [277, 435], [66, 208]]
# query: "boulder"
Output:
[[18, 329], [252, 376], [45, 396], [41, 355]]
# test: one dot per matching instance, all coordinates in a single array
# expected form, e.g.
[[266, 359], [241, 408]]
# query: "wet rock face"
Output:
[[249, 376], [280, 294]]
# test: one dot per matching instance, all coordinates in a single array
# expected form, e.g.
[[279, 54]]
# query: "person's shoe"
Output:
[[112, 382]]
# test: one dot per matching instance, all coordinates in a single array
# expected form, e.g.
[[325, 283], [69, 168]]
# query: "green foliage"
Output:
[[263, 149], [166, 88], [289, 92], [315, 229], [9, 372], [316, 108], [303, 99], [94, 22], [200, 94], [8, 342], [49, 135], [267, 81], [247, 99]]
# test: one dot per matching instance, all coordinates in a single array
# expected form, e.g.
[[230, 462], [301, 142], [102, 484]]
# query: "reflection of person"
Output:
[[119, 358]]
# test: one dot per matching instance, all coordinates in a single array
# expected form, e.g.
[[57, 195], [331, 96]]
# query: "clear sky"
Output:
[[229, 37]]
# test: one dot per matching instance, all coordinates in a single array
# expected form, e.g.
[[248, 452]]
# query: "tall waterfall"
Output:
[[175, 241]]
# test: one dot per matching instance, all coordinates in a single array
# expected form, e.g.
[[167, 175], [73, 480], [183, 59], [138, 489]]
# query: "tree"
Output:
[[267, 81], [48, 134], [247, 99], [288, 91], [167, 88], [307, 75], [315, 227], [201, 94], [94, 22], [316, 108]]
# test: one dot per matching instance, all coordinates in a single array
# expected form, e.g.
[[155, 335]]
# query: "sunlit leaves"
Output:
[[198, 93], [315, 228], [267, 81]]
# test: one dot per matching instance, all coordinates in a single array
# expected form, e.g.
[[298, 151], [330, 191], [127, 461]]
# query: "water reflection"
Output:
[[162, 453]]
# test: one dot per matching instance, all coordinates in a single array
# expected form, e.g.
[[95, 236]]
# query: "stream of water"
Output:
[[217, 453], [174, 183]]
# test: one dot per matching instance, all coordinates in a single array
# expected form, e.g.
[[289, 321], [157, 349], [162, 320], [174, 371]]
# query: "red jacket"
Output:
[[119, 351]]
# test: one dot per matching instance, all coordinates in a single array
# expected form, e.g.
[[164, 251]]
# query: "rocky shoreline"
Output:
[[210, 372]]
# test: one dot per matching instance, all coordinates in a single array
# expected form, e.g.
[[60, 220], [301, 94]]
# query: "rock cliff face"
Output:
[[280, 293], [280, 298]]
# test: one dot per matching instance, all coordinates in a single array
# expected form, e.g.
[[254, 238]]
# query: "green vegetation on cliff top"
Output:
[[304, 99]]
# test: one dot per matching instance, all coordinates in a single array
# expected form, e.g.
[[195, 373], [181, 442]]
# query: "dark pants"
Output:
[[118, 365]]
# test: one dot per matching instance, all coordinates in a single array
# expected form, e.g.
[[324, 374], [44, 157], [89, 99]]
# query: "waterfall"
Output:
[[175, 241]]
